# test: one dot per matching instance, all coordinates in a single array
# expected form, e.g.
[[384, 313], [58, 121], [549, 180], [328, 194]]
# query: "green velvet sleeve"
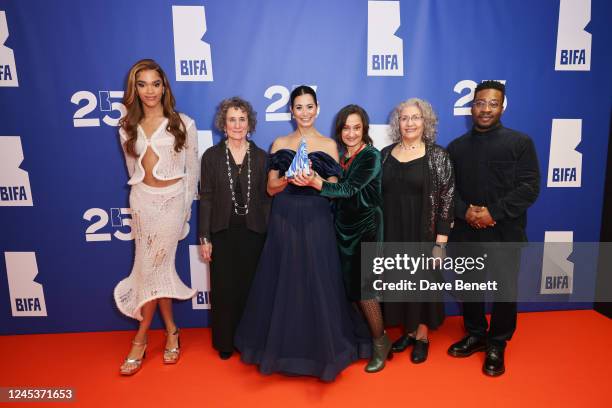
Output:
[[364, 169]]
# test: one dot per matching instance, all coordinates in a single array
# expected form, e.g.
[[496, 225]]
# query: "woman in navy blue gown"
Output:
[[297, 320]]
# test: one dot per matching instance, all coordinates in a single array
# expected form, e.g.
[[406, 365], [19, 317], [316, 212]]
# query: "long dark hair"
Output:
[[303, 90], [135, 113]]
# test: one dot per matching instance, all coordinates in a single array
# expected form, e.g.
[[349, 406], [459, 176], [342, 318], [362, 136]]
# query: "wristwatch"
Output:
[[440, 245]]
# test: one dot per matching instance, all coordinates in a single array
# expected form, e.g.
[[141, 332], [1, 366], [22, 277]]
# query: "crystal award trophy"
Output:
[[300, 161]]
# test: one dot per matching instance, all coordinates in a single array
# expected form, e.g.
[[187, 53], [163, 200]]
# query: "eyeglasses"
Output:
[[480, 104], [414, 118]]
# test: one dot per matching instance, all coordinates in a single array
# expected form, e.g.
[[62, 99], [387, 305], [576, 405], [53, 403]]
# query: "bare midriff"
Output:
[[148, 162]]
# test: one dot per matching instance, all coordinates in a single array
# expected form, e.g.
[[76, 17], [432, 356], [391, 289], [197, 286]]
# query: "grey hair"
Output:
[[430, 120], [237, 103]]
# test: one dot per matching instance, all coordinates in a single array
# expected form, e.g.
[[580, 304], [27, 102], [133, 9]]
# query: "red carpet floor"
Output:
[[556, 359]]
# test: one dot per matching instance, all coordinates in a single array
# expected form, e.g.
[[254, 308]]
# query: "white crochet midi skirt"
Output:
[[158, 216]]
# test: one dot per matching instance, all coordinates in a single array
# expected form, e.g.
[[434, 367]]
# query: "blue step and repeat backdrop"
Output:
[[65, 237]]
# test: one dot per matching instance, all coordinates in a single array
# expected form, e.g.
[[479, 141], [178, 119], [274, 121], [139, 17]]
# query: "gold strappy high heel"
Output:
[[132, 365], [171, 356]]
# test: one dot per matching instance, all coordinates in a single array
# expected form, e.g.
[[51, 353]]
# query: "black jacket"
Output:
[[497, 169], [216, 205]]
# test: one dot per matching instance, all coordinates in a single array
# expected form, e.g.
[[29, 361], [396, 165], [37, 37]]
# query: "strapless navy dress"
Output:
[[297, 320]]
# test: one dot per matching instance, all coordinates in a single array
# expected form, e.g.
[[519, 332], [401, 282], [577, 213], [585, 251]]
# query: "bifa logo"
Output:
[[200, 279], [385, 49], [27, 296], [573, 41], [8, 69], [565, 163], [557, 269], [192, 58], [380, 135], [14, 182]]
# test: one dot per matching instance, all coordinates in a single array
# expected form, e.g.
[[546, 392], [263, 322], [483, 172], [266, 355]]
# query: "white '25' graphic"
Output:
[[80, 118], [121, 219]]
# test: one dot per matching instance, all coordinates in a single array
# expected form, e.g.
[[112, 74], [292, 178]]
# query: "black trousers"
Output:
[[235, 256], [502, 266]]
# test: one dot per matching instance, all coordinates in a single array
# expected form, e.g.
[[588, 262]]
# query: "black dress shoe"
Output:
[[419, 352], [402, 343], [224, 355], [494, 362], [467, 346]]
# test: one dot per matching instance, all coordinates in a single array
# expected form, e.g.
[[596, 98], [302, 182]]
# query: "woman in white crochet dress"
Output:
[[161, 155]]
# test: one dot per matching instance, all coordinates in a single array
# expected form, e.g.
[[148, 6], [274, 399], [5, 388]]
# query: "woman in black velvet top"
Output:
[[418, 191], [359, 217], [234, 209]]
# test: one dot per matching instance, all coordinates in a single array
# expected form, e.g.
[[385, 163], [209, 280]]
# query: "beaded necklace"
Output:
[[239, 209], [414, 146]]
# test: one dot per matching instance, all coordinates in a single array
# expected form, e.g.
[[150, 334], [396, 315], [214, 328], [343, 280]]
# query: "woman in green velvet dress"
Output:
[[359, 216]]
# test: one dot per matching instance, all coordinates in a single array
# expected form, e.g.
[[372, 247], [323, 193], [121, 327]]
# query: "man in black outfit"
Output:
[[497, 178]]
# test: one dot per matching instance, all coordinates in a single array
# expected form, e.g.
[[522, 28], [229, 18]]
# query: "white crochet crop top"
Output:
[[171, 164]]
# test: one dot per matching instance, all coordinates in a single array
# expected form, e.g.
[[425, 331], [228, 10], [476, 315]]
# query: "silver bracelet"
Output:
[[204, 241]]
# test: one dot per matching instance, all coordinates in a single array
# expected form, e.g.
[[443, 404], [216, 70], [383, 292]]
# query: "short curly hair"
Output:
[[490, 85], [430, 120], [237, 103]]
